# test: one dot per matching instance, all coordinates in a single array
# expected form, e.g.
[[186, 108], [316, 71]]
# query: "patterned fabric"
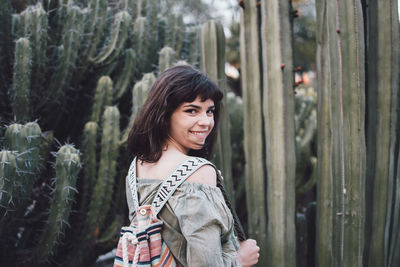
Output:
[[141, 244]]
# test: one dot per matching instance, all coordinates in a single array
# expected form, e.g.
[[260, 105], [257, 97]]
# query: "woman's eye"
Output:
[[210, 111], [191, 111]]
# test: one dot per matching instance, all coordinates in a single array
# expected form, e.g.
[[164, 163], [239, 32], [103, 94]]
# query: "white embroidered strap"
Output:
[[169, 185], [132, 183]]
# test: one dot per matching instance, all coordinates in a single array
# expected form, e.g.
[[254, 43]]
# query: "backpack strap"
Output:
[[132, 183], [169, 185]]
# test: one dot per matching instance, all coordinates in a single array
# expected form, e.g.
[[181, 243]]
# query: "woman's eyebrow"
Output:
[[191, 106], [197, 107]]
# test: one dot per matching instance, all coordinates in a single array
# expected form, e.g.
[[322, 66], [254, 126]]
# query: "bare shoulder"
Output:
[[205, 175]]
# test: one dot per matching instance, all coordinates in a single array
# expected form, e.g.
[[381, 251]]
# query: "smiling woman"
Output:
[[178, 124]]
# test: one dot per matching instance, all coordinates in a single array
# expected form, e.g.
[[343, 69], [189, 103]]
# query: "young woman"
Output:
[[179, 120]]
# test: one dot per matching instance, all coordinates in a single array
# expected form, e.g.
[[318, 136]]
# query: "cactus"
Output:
[[21, 80], [89, 161], [382, 131], [33, 24], [253, 127], [213, 63], [67, 169], [342, 150], [66, 60], [129, 69], [166, 59], [139, 94], [8, 178], [278, 109], [175, 32], [103, 97], [5, 51], [94, 26], [100, 200], [116, 43]]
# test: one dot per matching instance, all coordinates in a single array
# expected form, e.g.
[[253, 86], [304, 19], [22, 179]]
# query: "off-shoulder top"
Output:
[[198, 226]]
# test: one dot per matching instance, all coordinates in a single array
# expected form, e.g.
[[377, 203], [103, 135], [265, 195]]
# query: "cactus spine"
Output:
[[21, 79], [213, 63], [67, 168]]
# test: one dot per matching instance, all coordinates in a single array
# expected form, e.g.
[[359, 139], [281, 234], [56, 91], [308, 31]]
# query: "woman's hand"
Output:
[[248, 253]]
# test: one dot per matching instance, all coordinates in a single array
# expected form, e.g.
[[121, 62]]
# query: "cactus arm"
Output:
[[103, 97], [139, 94], [140, 40], [100, 202], [152, 34], [66, 62], [117, 40], [166, 59], [253, 126], [67, 169], [8, 178], [382, 135], [128, 71], [95, 26], [89, 161], [5, 49], [21, 79]]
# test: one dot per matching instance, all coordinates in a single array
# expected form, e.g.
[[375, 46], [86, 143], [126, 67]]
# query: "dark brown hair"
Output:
[[173, 87]]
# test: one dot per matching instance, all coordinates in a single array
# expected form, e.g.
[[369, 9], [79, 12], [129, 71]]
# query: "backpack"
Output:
[[141, 243]]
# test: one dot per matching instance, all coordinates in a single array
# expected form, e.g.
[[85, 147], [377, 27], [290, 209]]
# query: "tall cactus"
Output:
[[100, 201], [341, 144], [103, 97], [67, 169], [139, 94], [166, 59], [255, 171], [21, 80], [382, 130], [278, 83], [213, 63]]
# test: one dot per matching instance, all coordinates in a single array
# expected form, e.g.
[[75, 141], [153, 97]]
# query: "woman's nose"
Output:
[[205, 119]]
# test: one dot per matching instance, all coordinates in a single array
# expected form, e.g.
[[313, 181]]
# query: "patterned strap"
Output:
[[169, 185], [132, 183]]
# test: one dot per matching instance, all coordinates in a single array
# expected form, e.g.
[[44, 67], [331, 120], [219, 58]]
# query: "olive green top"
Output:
[[198, 226]]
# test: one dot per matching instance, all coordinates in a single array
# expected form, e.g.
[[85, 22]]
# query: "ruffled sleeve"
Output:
[[207, 225]]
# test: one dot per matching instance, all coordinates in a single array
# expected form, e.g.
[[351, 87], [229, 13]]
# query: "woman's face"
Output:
[[191, 123]]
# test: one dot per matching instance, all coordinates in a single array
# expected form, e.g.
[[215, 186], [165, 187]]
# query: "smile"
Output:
[[199, 133]]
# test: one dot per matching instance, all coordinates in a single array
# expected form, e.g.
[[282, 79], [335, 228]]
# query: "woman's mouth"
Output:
[[200, 134]]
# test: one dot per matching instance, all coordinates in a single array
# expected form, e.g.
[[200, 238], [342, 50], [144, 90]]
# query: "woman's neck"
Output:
[[173, 146]]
